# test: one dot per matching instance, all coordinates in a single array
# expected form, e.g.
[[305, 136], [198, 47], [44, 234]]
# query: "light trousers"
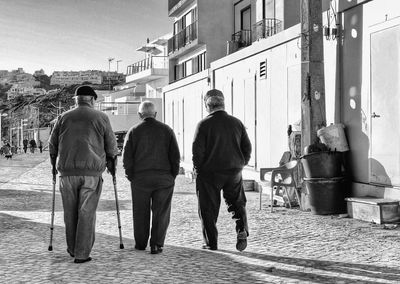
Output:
[[80, 197]]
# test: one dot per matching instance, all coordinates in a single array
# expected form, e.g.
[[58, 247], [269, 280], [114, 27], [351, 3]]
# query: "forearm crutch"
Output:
[[121, 245], [52, 214]]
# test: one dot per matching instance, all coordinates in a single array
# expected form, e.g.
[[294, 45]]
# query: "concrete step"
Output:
[[371, 209]]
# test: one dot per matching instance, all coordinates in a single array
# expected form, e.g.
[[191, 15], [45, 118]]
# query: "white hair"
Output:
[[147, 109]]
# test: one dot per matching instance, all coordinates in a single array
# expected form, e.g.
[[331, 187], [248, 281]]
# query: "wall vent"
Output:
[[263, 69]]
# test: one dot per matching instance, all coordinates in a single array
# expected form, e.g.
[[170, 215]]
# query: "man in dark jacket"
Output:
[[151, 161], [221, 148], [85, 144]]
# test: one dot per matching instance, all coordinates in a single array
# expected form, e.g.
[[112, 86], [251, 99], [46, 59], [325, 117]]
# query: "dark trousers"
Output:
[[151, 195], [208, 188]]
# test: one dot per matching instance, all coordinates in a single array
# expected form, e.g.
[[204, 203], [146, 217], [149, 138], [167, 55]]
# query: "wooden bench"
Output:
[[376, 210]]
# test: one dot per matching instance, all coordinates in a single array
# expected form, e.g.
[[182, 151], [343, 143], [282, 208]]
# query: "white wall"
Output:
[[183, 106]]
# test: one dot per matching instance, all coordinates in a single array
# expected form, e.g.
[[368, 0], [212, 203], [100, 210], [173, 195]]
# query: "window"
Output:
[[245, 21], [188, 68]]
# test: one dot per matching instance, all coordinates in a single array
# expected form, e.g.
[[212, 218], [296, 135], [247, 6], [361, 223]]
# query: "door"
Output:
[[385, 104], [178, 123], [250, 115]]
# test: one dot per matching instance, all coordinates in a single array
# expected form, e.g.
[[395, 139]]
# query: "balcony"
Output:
[[177, 6], [266, 28], [182, 38], [239, 40], [148, 69]]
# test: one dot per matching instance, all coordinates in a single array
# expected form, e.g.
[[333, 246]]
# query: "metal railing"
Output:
[[182, 38], [242, 38], [150, 62], [266, 27], [118, 108]]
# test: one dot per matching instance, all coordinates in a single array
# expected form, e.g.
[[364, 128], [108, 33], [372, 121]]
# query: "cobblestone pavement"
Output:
[[287, 246]]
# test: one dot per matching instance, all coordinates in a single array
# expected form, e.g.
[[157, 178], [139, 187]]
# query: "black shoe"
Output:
[[139, 247], [70, 253], [156, 249], [82, 260], [241, 242], [210, 247]]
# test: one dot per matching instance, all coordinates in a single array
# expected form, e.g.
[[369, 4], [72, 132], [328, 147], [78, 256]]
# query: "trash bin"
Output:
[[326, 195], [326, 164]]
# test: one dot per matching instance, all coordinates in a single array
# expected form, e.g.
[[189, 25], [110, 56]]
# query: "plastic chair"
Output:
[[282, 176]]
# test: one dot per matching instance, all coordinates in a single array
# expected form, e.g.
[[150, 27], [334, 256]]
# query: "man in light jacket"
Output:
[[84, 143]]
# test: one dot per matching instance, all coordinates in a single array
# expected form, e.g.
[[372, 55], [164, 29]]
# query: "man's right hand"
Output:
[[111, 164], [53, 160]]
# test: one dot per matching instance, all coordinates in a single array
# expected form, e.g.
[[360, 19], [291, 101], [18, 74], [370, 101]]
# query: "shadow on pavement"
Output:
[[39, 200], [365, 270], [25, 256]]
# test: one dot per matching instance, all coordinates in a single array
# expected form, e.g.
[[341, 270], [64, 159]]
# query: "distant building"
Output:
[[112, 78], [39, 73], [3, 73], [18, 71], [66, 78], [25, 89]]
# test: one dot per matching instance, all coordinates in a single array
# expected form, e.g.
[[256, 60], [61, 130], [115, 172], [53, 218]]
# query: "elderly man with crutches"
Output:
[[84, 144]]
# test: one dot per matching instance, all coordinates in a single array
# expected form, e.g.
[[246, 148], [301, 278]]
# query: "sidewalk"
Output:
[[287, 246]]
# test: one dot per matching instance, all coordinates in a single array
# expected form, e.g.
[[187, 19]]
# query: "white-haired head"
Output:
[[147, 109]]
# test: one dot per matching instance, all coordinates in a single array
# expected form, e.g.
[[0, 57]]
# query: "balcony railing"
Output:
[[242, 38], [118, 108], [266, 27], [182, 38], [160, 62]]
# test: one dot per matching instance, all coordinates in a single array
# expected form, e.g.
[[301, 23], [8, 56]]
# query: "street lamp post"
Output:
[[117, 64], [110, 59]]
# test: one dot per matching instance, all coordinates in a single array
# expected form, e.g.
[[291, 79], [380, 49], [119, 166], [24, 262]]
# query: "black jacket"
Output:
[[150, 148], [220, 144]]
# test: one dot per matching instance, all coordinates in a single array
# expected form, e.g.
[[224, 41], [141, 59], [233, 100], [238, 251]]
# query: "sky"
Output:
[[74, 35]]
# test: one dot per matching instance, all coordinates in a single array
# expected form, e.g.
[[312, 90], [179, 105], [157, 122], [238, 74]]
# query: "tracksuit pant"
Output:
[[208, 188], [151, 194], [80, 197]]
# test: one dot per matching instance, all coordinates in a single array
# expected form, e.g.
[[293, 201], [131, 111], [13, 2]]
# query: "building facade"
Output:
[[66, 78], [261, 80]]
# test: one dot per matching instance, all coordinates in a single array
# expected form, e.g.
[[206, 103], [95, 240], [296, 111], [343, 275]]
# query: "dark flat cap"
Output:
[[85, 91], [214, 93]]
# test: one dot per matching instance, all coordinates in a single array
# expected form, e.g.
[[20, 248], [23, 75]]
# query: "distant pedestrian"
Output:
[[85, 145], [151, 161], [7, 151], [221, 148], [25, 144], [32, 145], [40, 146]]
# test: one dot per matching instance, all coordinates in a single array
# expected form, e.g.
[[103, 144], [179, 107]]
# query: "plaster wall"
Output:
[[358, 22], [215, 20], [183, 106]]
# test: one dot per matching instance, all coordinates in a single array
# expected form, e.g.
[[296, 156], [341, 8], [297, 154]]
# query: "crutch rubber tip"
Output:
[[50, 248], [121, 246]]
